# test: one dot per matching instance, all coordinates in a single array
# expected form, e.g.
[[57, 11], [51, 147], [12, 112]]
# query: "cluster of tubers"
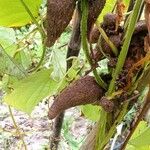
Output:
[[86, 90]]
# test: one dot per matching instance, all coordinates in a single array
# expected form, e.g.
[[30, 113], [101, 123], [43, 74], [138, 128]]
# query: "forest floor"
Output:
[[37, 129]]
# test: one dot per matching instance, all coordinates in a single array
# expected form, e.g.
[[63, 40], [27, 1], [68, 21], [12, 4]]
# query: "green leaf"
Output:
[[142, 140], [70, 76], [30, 91], [130, 147], [8, 40], [91, 112], [140, 129], [23, 58], [138, 141], [13, 13], [9, 66]]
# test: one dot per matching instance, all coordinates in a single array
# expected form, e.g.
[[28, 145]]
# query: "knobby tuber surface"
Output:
[[59, 14], [95, 8], [80, 92]]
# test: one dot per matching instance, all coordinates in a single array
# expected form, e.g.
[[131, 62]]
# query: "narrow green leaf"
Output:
[[13, 13], [30, 91]]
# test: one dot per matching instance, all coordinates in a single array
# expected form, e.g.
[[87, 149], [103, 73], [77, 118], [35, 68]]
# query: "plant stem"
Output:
[[124, 51], [108, 41], [17, 128], [42, 32], [113, 128], [21, 71], [84, 8]]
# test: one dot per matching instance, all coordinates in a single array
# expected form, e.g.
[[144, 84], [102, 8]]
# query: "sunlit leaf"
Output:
[[30, 91], [8, 39], [23, 58], [9, 66], [140, 128], [13, 13], [142, 140], [91, 112], [131, 147]]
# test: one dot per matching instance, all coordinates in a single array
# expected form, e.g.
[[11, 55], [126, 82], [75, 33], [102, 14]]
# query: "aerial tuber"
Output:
[[80, 92]]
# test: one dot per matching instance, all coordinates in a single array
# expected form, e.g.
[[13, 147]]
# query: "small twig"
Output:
[[41, 59]]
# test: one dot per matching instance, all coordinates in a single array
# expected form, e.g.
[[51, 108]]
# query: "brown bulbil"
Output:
[[109, 20], [140, 27], [80, 92], [94, 35], [136, 49], [115, 39], [59, 14]]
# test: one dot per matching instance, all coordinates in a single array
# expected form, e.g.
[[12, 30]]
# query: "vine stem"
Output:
[[33, 18], [17, 128], [41, 59], [108, 41], [84, 8], [126, 44], [42, 32]]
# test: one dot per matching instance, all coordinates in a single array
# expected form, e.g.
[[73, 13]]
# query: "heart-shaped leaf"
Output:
[[30, 91]]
